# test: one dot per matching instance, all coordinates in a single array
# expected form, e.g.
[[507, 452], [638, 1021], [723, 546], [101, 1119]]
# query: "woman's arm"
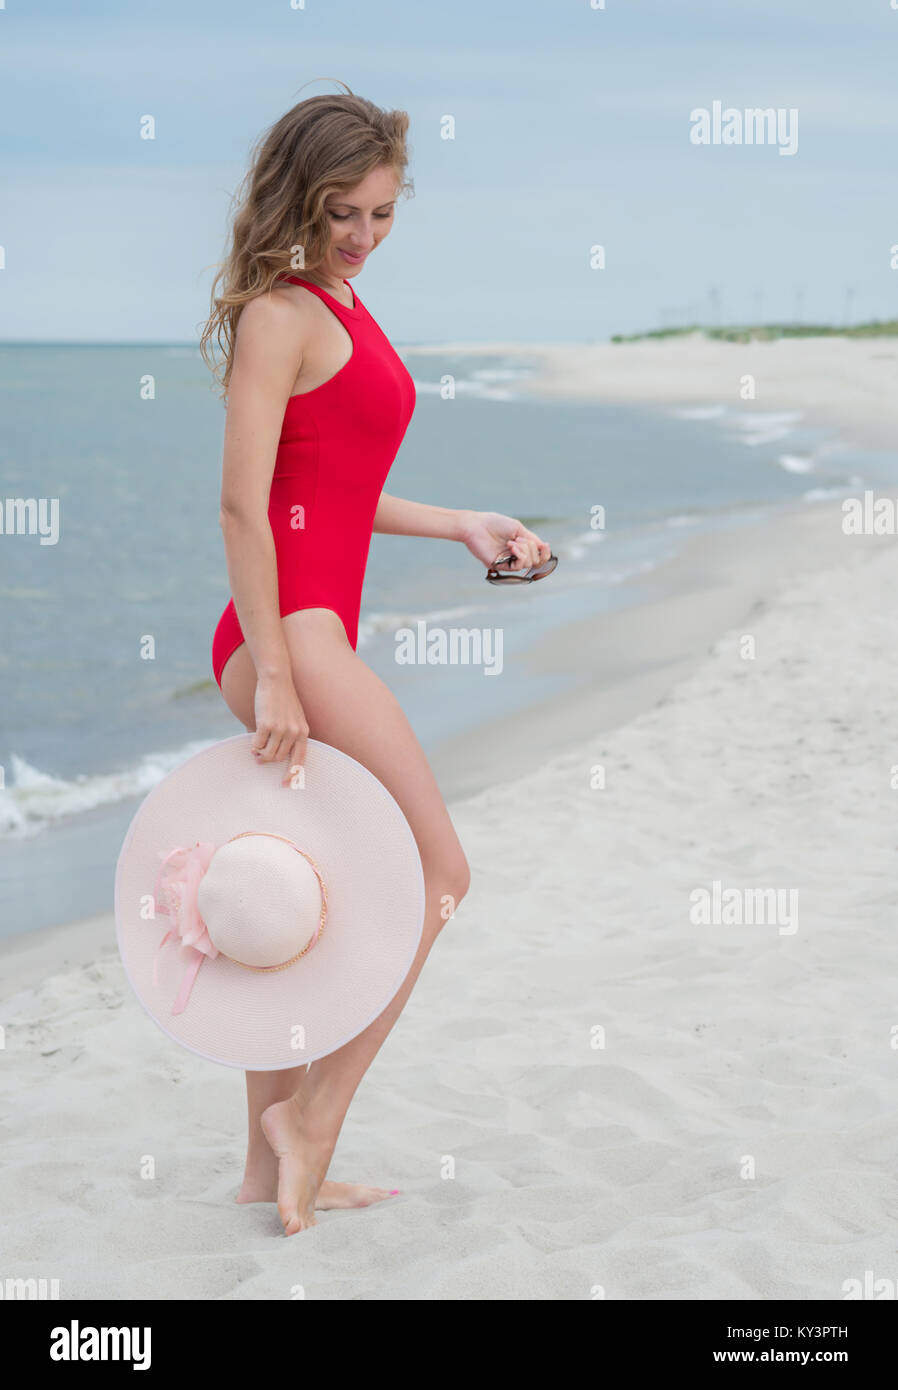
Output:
[[267, 354], [395, 516], [486, 534]]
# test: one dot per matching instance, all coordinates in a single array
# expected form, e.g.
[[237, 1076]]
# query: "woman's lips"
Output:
[[354, 260]]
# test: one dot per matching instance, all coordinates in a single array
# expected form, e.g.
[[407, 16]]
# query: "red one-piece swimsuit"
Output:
[[336, 447]]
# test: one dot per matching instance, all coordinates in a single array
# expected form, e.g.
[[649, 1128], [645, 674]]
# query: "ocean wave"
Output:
[[796, 463], [576, 547], [619, 574], [376, 623], [467, 386], [36, 799], [752, 427], [763, 427], [700, 412], [824, 494], [502, 374]]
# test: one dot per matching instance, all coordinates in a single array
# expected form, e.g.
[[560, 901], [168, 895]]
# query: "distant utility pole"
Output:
[[676, 315], [757, 303], [849, 299], [714, 305], [798, 306]]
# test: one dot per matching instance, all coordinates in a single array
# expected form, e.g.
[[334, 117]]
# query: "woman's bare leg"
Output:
[[260, 1177], [263, 1088], [349, 707]]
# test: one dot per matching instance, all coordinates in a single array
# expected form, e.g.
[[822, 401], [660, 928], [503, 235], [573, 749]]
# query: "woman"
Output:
[[317, 405]]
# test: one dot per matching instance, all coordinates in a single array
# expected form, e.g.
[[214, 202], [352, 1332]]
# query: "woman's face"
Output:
[[359, 220]]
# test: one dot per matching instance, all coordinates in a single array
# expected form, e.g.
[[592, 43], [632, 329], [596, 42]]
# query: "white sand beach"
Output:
[[849, 383], [636, 1104]]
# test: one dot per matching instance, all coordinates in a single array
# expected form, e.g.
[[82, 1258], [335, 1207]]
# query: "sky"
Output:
[[572, 131]]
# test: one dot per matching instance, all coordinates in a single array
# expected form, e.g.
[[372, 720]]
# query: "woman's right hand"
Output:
[[282, 729]]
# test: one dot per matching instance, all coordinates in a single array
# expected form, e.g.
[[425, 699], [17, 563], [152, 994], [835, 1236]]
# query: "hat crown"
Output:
[[260, 900]]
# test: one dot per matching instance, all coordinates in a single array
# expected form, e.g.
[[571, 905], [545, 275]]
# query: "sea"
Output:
[[106, 620]]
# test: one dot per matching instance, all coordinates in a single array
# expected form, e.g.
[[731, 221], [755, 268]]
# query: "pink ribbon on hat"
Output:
[[175, 895]]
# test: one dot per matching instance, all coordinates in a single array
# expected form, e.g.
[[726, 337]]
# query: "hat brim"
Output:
[[353, 828]]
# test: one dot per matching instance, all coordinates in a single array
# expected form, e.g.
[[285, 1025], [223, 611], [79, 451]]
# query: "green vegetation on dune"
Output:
[[766, 332]]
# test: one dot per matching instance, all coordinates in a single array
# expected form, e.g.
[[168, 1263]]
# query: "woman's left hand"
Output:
[[490, 535]]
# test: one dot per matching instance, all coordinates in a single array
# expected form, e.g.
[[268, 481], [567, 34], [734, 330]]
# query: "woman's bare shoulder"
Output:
[[274, 331], [277, 311]]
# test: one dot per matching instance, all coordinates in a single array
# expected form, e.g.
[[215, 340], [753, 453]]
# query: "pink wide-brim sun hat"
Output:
[[347, 822]]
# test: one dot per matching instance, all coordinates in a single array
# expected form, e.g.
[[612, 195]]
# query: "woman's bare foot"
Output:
[[338, 1196], [331, 1195], [303, 1152], [260, 1184]]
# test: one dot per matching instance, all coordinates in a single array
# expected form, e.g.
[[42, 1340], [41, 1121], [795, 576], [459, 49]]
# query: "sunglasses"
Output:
[[497, 574]]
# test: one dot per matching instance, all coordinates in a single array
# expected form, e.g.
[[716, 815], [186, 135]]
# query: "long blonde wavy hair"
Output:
[[323, 145]]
